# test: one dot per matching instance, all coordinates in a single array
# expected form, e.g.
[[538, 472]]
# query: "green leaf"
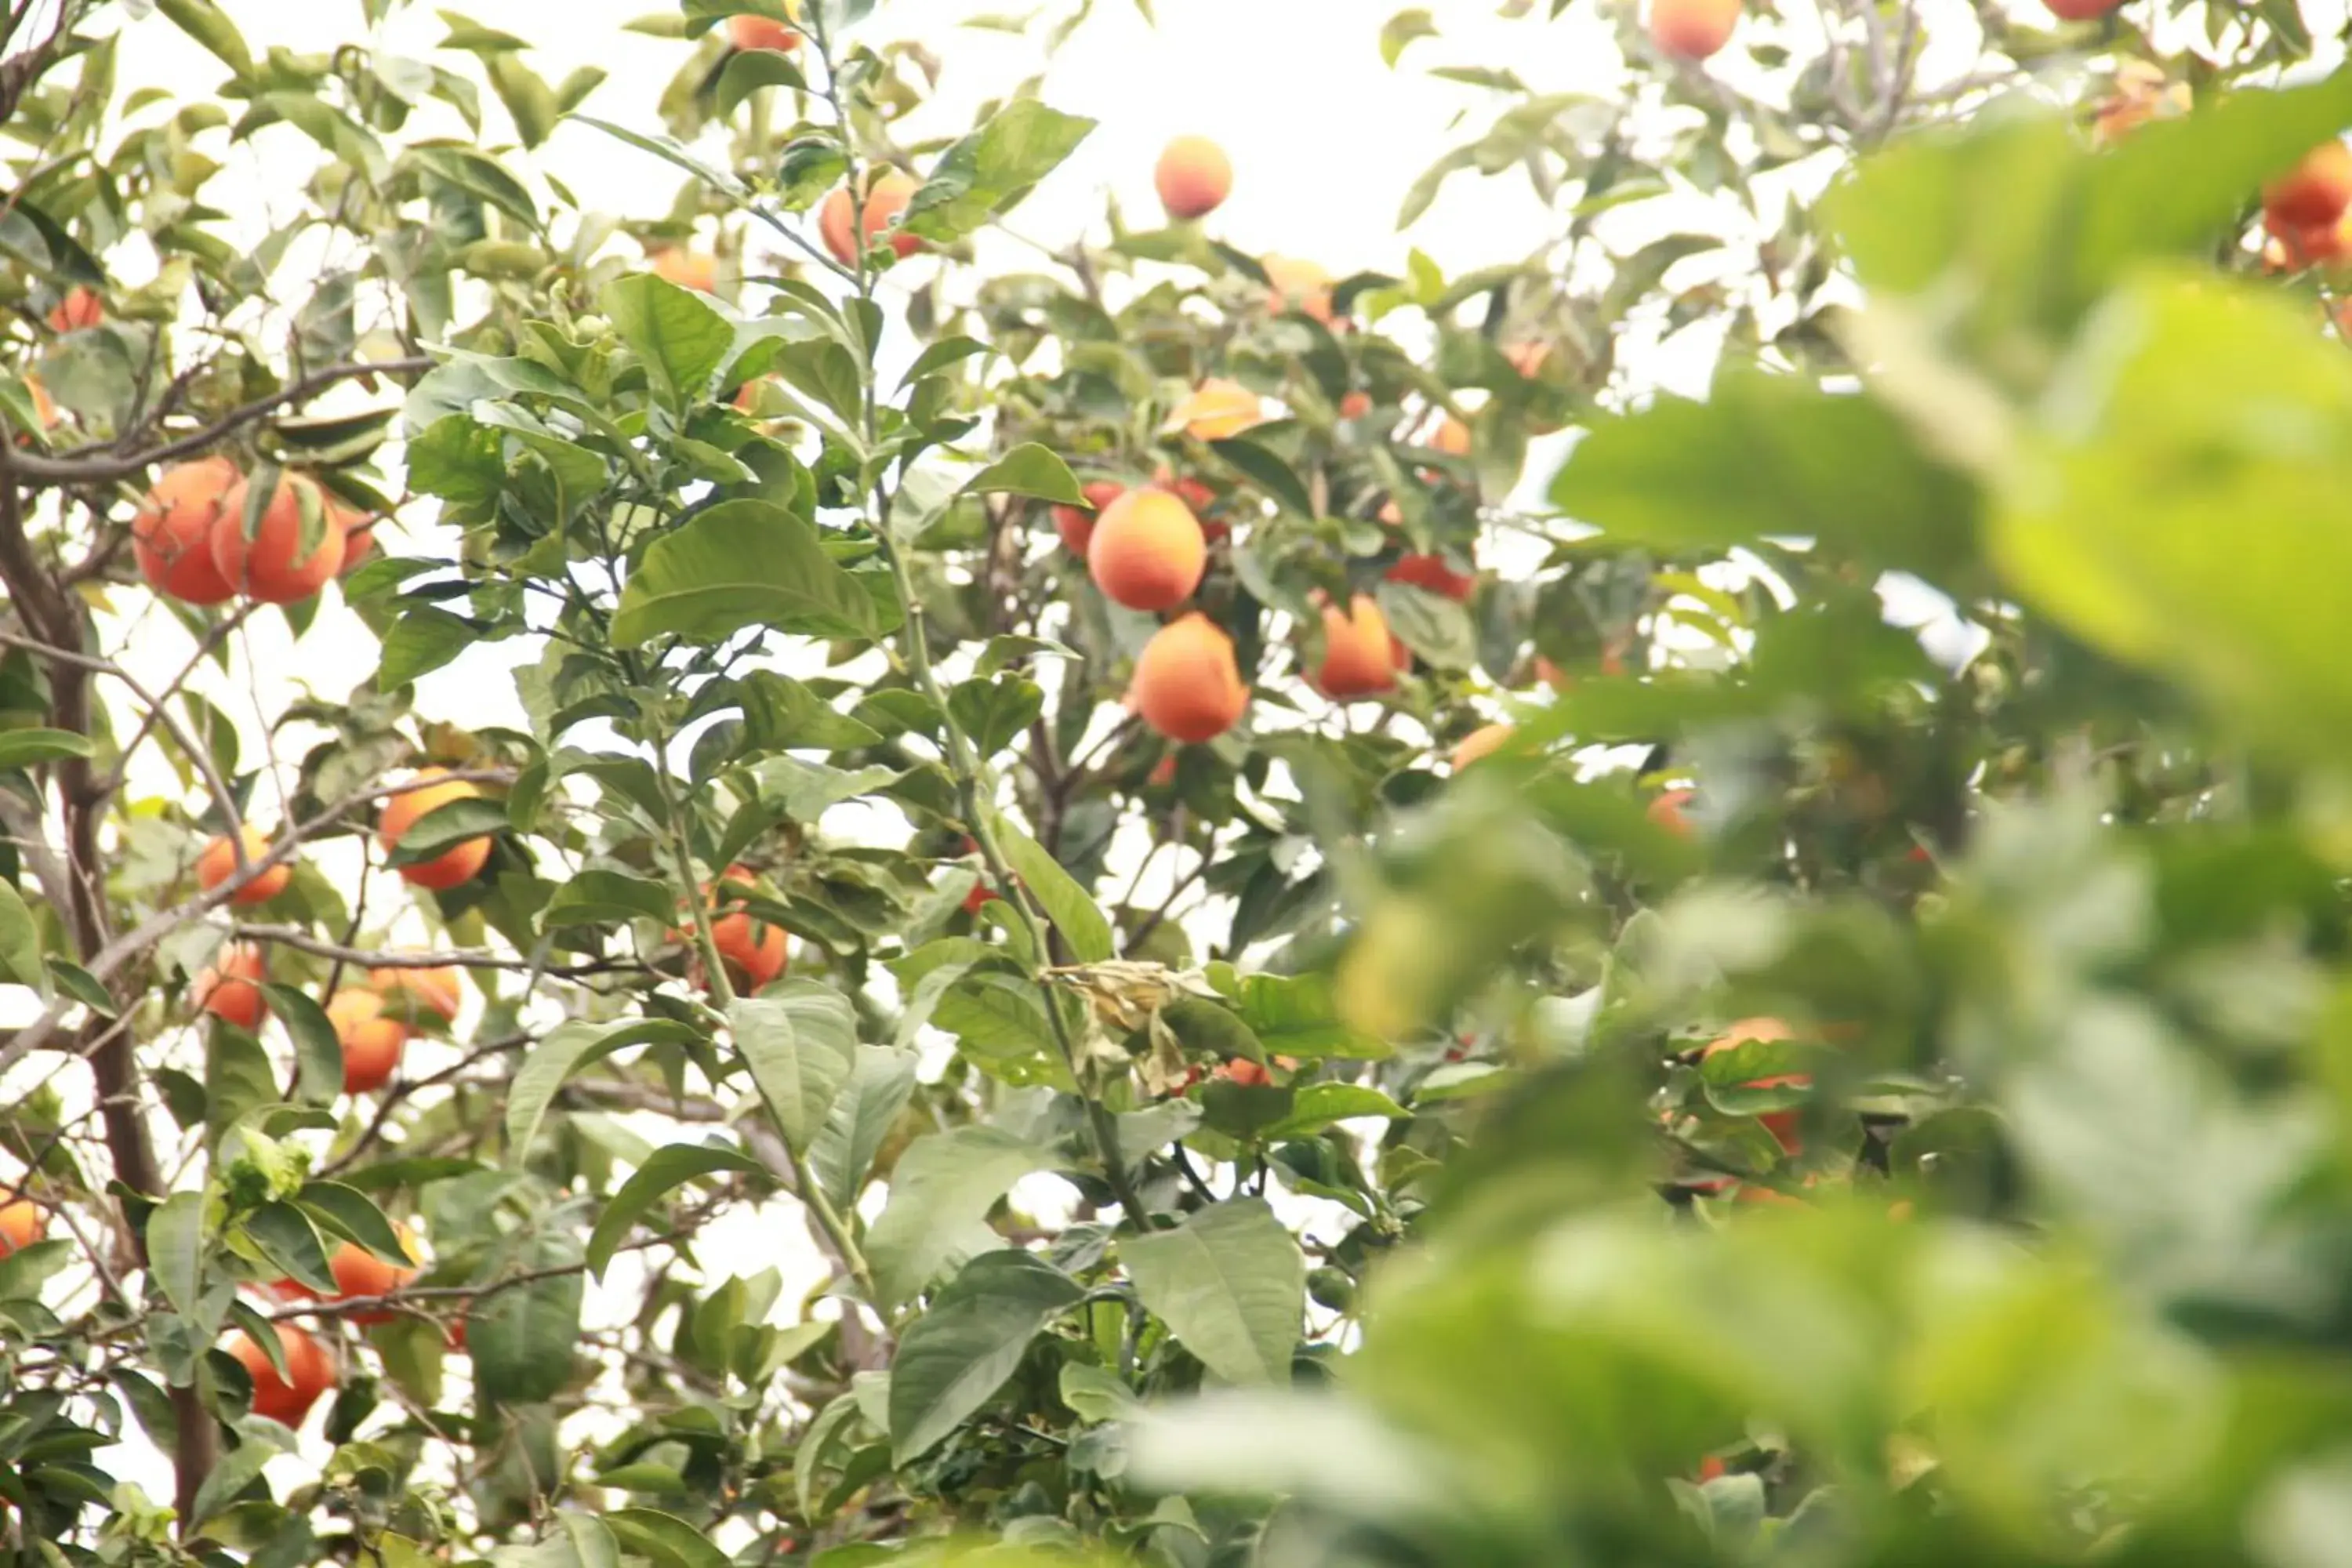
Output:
[[287, 1238], [239, 1077], [1267, 471], [880, 1083], [237, 1469], [664, 1539], [317, 1053], [800, 1046], [1231, 1285], [175, 1249], [608, 897], [782, 713], [674, 333], [955, 1357], [521, 1339], [2117, 529], [1083, 925], [988, 172], [565, 1050], [667, 1168], [1770, 456], [22, 748], [748, 70], [994, 713], [942, 1187], [421, 640], [1319, 1105], [1401, 29], [470, 171], [348, 1212], [1295, 1016], [1097, 1393], [84, 988], [209, 25], [20, 942], [741, 563], [1437, 629], [941, 355], [1028, 469]]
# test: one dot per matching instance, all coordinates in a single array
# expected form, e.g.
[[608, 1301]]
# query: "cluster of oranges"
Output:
[[190, 539], [373, 1023], [360, 1275]]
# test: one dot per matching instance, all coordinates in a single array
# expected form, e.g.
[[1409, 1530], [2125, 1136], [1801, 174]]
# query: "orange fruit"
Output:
[[310, 1372], [1692, 30], [762, 33], [1194, 177], [22, 1223], [454, 866], [2081, 10], [358, 1272], [1147, 550], [172, 536], [1187, 686], [372, 1042], [885, 198], [437, 990], [1453, 437], [1667, 811], [231, 988], [1432, 573], [217, 863], [2313, 193], [1215, 409], [1359, 656], [1299, 286], [1355, 404], [80, 308], [1478, 744], [1076, 524], [1245, 1072], [695, 269], [271, 565]]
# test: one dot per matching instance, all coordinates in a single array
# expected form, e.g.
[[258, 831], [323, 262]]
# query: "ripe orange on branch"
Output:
[[1187, 686], [217, 863], [454, 866], [1194, 177], [887, 195], [172, 536], [1076, 524], [231, 989], [1361, 656], [297, 545], [1692, 30], [22, 1223], [764, 31], [309, 1372], [1147, 550], [371, 1041]]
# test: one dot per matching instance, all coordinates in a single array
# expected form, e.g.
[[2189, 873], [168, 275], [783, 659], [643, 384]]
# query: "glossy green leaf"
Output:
[[670, 1167], [881, 1081], [988, 172], [955, 1357], [1075, 914], [565, 1049], [801, 1045], [943, 1185], [737, 564], [674, 333], [1028, 469], [521, 1339], [600, 897], [317, 1053], [23, 748], [1231, 1285]]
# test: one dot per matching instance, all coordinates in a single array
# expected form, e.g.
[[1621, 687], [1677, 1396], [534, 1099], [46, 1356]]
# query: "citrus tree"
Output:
[[1126, 921]]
